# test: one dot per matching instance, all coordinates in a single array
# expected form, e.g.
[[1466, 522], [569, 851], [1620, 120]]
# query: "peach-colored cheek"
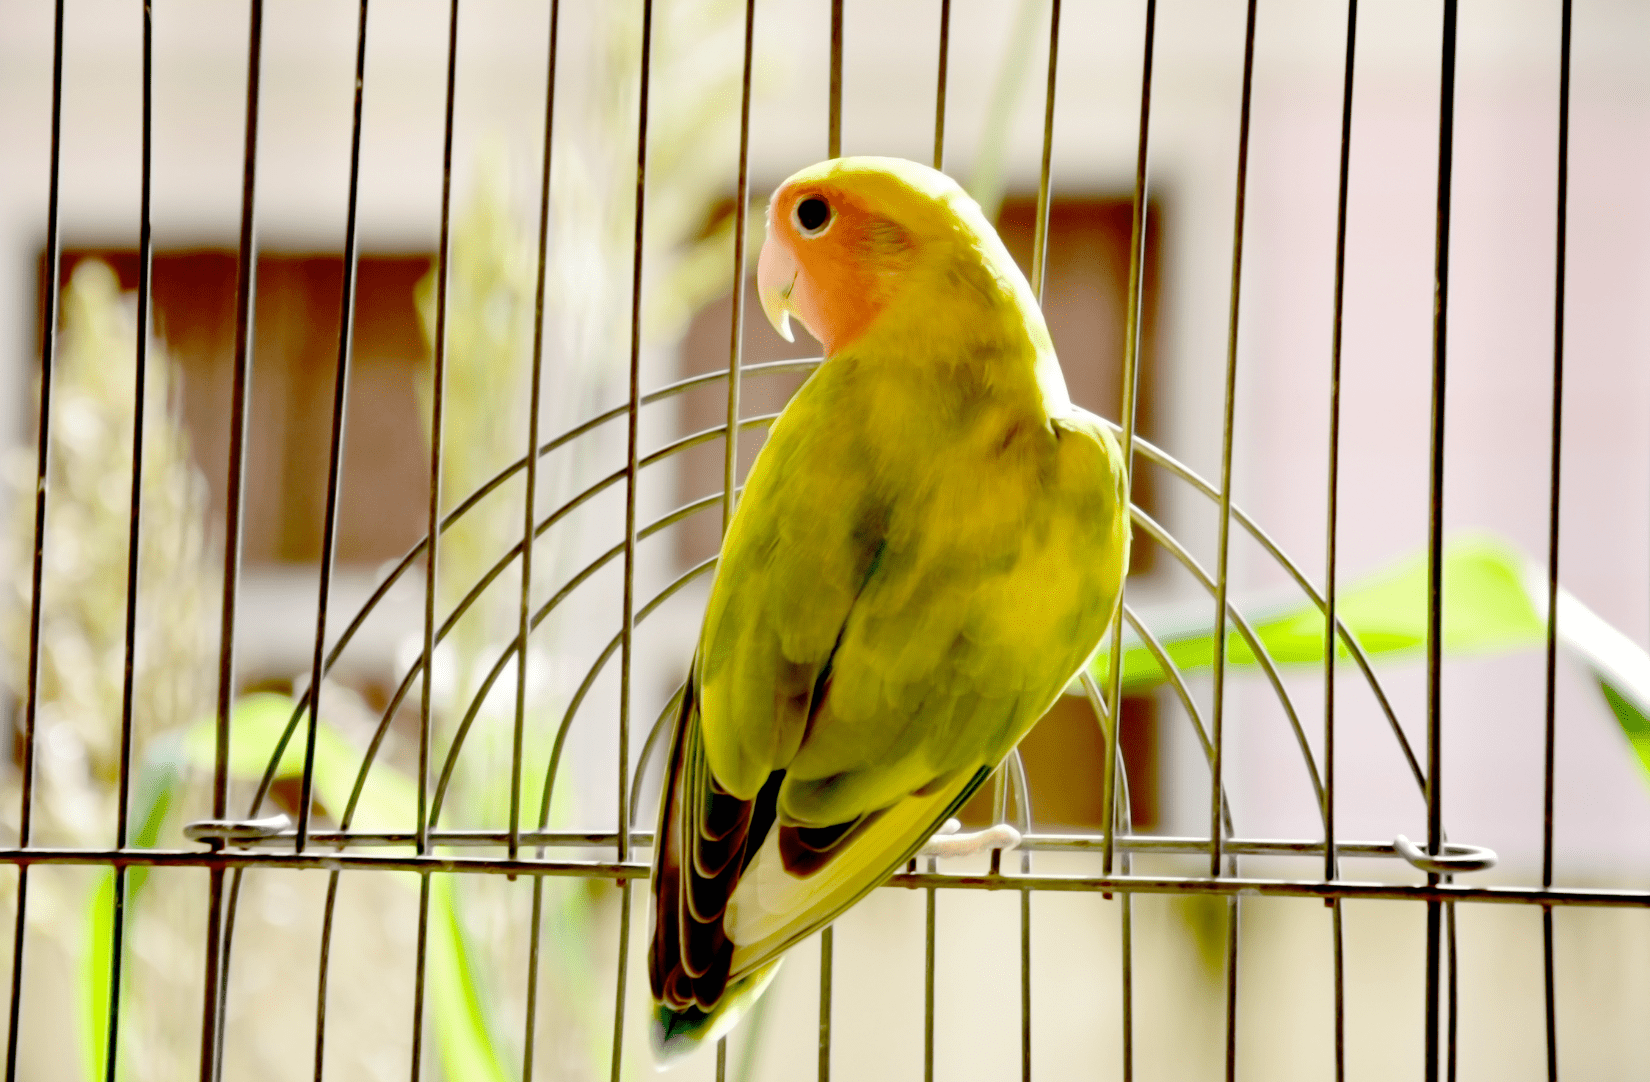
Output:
[[833, 298]]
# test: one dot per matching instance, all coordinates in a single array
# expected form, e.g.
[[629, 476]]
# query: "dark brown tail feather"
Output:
[[706, 839]]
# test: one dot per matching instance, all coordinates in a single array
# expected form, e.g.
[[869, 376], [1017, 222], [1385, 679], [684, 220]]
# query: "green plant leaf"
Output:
[[158, 779], [465, 1040], [464, 1037], [1620, 666], [1494, 601], [96, 956], [990, 162], [389, 799], [1486, 609]]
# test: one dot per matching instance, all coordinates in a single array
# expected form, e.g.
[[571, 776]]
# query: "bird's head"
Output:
[[847, 238]]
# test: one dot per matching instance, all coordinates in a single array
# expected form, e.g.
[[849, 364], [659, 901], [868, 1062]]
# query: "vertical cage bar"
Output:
[[37, 572], [1435, 515], [929, 965], [1550, 999], [940, 82], [1233, 925], [438, 384], [230, 909], [632, 476], [633, 437], [217, 953], [1126, 410], [1452, 991], [139, 401], [335, 454], [1125, 928], [1228, 420], [530, 498], [117, 937], [1435, 522], [1340, 991], [1039, 253], [535, 932], [826, 951], [524, 628], [134, 537], [834, 136], [1332, 514], [420, 961], [1025, 974], [530, 1028], [1331, 863], [1038, 260], [623, 974], [245, 309], [931, 895], [1555, 476], [736, 333], [1125, 901], [322, 971]]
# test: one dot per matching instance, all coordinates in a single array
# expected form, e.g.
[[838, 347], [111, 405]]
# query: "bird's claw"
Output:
[[948, 842]]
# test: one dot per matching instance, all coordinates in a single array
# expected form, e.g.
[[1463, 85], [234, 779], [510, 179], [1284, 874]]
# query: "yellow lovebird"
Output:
[[930, 546]]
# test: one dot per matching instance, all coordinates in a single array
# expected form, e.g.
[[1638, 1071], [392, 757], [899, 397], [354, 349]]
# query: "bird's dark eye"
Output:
[[813, 214]]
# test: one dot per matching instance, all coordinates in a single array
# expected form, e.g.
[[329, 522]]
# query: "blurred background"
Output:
[[1497, 484]]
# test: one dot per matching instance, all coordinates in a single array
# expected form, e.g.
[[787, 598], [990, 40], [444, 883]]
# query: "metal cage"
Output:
[[242, 837]]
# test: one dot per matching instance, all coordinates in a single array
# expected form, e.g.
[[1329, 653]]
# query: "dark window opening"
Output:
[[295, 354]]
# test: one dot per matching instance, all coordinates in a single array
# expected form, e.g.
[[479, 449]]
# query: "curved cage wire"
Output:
[[528, 838]]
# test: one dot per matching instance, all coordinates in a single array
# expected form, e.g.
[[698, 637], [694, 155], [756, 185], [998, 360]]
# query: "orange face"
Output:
[[829, 261]]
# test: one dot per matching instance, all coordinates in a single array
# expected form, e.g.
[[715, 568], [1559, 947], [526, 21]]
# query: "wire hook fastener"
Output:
[[236, 831], [1452, 861]]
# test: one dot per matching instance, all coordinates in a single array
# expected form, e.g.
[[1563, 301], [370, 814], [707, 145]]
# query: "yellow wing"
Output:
[[903, 592]]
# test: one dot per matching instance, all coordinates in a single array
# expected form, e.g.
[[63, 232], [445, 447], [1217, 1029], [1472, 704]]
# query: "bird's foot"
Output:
[[948, 842]]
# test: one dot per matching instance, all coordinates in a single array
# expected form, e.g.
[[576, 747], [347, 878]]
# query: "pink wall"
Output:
[[1498, 427]]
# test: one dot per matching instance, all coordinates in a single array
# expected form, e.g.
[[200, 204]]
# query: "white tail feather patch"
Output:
[[771, 908]]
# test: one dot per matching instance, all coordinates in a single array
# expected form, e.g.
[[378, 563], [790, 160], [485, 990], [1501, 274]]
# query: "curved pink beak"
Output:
[[776, 273]]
